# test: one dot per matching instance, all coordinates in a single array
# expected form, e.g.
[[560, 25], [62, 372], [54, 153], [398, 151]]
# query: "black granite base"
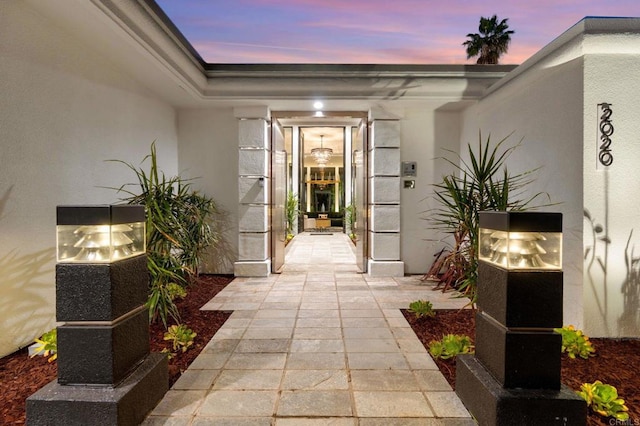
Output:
[[123, 405], [491, 404], [100, 292], [521, 298], [519, 359], [102, 355]]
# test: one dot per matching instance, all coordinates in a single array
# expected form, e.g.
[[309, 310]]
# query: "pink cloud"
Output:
[[372, 31]]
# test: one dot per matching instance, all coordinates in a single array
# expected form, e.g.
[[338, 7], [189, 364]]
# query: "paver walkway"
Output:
[[319, 344]]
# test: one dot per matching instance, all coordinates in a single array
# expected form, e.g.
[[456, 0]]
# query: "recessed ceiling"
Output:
[[332, 137]]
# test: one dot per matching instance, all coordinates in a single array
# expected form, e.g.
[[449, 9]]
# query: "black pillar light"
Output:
[[514, 376], [106, 373]]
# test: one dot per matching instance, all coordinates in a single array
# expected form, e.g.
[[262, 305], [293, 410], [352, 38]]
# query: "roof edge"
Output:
[[587, 26], [355, 70]]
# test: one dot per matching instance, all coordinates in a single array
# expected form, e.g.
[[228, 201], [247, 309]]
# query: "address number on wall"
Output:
[[605, 128]]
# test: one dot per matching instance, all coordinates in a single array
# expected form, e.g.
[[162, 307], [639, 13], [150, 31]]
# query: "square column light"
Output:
[[99, 234], [521, 240]]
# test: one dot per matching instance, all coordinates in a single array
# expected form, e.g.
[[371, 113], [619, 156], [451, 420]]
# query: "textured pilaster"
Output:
[[253, 208], [384, 184]]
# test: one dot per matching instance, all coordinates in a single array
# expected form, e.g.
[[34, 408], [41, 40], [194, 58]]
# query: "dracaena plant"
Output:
[[180, 225], [479, 182]]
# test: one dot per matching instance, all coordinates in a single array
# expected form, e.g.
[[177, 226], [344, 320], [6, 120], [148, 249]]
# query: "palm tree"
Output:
[[492, 41]]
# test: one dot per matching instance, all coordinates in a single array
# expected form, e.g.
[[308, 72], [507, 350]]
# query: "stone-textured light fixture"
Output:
[[514, 376], [106, 373]]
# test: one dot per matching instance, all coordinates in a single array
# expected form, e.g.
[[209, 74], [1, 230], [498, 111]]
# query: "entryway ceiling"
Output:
[[332, 137]]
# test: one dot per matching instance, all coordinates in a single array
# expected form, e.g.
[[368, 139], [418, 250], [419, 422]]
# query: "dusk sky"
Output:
[[372, 31]]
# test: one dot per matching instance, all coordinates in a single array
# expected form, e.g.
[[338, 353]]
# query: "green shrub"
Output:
[[181, 337], [575, 343], [350, 212], [179, 228], [47, 345], [603, 399], [176, 291], [481, 182], [291, 213], [450, 346], [422, 308]]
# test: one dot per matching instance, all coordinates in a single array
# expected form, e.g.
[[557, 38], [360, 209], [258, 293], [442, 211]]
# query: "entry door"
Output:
[[359, 172], [278, 196]]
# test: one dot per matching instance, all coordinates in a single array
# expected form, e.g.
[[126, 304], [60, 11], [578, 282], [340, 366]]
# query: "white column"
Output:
[[253, 183], [384, 199]]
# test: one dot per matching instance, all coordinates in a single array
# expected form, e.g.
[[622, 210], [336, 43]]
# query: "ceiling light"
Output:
[[318, 105], [322, 154]]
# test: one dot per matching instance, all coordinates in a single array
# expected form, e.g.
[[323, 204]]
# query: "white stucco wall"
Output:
[[426, 134], [611, 195], [552, 103], [208, 152], [64, 110], [543, 108]]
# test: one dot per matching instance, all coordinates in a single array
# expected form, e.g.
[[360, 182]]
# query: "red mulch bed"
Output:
[[616, 361], [21, 376]]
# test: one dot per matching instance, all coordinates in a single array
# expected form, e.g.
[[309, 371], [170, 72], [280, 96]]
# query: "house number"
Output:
[[606, 130]]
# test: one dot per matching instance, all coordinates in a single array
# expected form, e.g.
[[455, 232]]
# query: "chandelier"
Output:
[[322, 154]]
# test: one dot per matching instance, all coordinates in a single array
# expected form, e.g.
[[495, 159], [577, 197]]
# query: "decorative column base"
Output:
[[258, 268], [386, 268], [126, 404], [492, 404]]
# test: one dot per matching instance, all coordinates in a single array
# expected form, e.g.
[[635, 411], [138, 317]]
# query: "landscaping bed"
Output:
[[21, 376], [615, 361]]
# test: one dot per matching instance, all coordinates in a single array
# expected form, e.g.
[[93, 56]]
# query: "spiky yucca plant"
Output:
[[481, 182], [178, 230]]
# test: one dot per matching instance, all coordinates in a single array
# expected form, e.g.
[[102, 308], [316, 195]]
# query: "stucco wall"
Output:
[[612, 234], [64, 110], [543, 107], [426, 134], [208, 152]]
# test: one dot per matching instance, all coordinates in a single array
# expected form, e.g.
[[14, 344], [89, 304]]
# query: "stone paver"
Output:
[[318, 344], [391, 404]]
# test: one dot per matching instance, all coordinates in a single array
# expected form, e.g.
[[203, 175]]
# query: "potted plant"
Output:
[[350, 220], [291, 212]]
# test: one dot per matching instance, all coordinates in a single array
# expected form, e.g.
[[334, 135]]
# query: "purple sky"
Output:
[[372, 31]]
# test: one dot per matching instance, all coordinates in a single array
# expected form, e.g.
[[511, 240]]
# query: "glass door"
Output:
[[278, 196], [359, 172]]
